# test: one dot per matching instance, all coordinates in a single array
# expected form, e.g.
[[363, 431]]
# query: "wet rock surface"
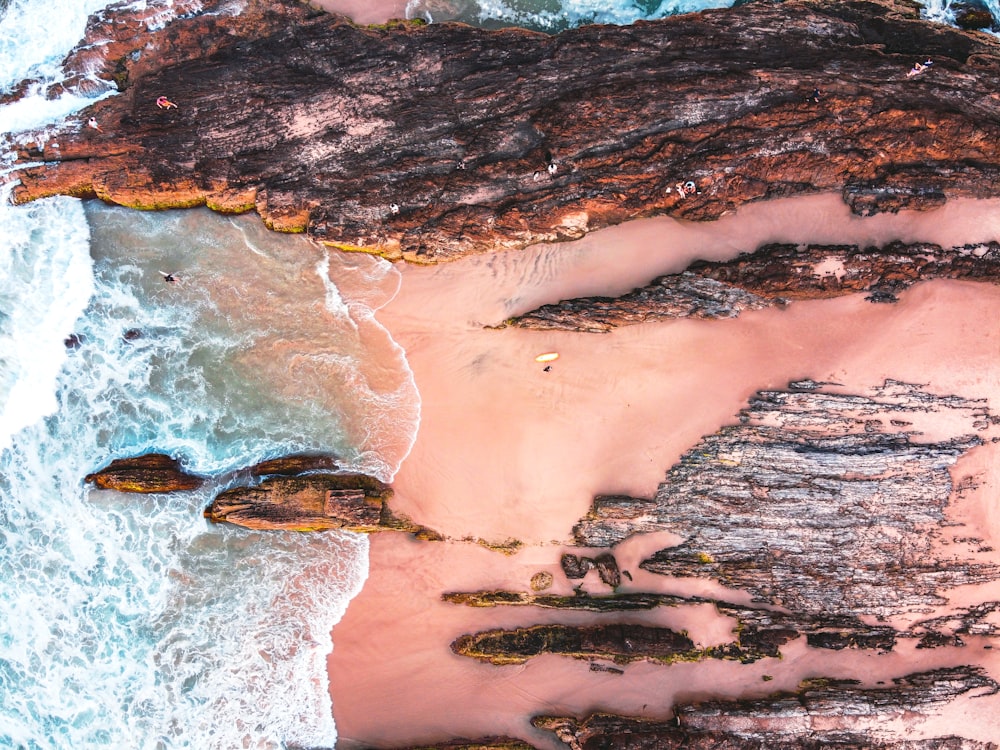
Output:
[[296, 464], [312, 502], [773, 275], [151, 473], [758, 632], [832, 510], [430, 142]]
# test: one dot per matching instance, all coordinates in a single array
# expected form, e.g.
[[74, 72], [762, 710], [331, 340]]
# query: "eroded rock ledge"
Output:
[[429, 142], [821, 714], [822, 502], [773, 275]]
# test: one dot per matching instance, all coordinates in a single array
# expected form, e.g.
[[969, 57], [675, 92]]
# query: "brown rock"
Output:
[[620, 642], [353, 502], [772, 276], [575, 566], [607, 569], [295, 464], [153, 472], [290, 112]]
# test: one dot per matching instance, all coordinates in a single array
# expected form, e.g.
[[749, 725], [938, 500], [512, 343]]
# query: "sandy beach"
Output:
[[507, 451]]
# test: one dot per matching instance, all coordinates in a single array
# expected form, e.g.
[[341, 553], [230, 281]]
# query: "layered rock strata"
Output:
[[429, 142], [824, 503], [758, 632], [298, 492], [821, 714], [773, 275]]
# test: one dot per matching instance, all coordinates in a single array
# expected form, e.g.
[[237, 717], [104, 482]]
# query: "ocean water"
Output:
[[552, 15], [556, 15]]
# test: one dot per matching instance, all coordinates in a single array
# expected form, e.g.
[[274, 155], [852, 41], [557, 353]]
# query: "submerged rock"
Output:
[[153, 472]]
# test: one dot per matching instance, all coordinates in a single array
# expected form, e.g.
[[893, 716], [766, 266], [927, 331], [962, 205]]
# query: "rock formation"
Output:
[[821, 502], [153, 472], [311, 502], [773, 275], [429, 142], [299, 493], [299, 463], [821, 714], [758, 632]]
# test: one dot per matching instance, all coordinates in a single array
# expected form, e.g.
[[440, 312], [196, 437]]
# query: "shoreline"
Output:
[[506, 450]]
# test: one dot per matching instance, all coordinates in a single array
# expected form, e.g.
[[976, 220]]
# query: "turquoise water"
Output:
[[128, 621], [556, 15], [552, 15]]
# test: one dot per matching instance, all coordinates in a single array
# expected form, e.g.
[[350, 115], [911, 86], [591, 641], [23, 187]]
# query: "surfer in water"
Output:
[[168, 277]]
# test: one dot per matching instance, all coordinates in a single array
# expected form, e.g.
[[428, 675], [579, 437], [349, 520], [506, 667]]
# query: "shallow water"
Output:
[[130, 622]]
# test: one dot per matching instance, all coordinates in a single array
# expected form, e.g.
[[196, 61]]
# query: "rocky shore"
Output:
[[773, 275], [824, 518], [430, 142]]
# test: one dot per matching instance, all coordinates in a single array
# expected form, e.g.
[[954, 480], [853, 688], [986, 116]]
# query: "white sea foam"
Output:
[[35, 37], [127, 622], [45, 282], [550, 16]]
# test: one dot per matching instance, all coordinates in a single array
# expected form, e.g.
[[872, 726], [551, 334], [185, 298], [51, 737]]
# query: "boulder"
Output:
[[153, 472], [313, 502]]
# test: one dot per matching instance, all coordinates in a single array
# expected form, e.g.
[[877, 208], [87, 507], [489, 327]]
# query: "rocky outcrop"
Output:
[[429, 142], [621, 643], [299, 463], [824, 503], [773, 275], [483, 743], [313, 502], [153, 472], [820, 714], [577, 566], [758, 632]]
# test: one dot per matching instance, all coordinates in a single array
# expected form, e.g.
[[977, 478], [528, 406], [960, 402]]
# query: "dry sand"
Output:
[[506, 450], [365, 11]]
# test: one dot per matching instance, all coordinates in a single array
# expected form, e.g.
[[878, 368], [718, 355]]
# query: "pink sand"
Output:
[[508, 451], [365, 11]]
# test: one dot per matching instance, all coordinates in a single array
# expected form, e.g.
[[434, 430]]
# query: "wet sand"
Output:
[[508, 451]]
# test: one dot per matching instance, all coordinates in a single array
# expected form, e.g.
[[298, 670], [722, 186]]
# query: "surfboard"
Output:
[[547, 357]]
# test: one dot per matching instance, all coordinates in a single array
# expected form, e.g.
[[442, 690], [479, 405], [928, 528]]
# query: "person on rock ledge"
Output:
[[685, 189], [163, 103]]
